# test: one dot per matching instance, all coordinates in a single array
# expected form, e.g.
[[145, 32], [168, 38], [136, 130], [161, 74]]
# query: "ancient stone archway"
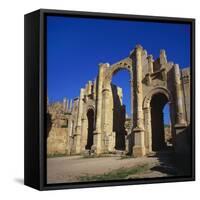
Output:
[[158, 102], [147, 76], [149, 80], [114, 113], [153, 105], [87, 128], [156, 90], [113, 69]]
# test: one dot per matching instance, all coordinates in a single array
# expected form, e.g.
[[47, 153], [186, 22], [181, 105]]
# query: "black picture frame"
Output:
[[35, 84]]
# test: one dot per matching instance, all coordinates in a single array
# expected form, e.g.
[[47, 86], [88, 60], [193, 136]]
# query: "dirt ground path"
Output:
[[70, 169]]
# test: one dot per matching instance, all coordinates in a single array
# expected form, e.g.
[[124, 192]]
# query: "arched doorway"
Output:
[[158, 126], [113, 109], [121, 107], [90, 118]]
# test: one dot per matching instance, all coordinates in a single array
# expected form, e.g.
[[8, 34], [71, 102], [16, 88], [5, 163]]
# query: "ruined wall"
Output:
[[64, 120], [57, 136], [156, 73]]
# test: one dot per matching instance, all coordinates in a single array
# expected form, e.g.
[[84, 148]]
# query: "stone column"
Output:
[[98, 132], [89, 87], [78, 127], [150, 70], [148, 131], [181, 143], [69, 135], [84, 133], [70, 106], [86, 88], [106, 105], [150, 64], [65, 104], [107, 111], [132, 99], [163, 57], [138, 128], [94, 89], [180, 117], [130, 136]]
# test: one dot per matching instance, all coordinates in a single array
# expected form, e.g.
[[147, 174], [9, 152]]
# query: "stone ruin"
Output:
[[96, 121]]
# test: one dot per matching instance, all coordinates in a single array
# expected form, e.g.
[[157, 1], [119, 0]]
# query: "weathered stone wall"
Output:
[[57, 136], [186, 90]]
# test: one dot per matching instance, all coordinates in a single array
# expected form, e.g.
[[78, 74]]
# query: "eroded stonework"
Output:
[[96, 121]]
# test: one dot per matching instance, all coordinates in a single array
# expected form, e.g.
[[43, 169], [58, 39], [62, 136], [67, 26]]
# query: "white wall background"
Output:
[[11, 98]]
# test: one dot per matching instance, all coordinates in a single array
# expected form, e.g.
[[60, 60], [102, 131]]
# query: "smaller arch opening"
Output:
[[160, 122], [90, 117], [167, 126]]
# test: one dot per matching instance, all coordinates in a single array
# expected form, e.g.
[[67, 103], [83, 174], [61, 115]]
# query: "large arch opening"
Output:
[[160, 122], [121, 91], [90, 118]]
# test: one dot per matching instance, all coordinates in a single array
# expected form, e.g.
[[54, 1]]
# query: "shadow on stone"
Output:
[[172, 164]]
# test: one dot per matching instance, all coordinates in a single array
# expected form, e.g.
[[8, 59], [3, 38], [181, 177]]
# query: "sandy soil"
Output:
[[69, 169]]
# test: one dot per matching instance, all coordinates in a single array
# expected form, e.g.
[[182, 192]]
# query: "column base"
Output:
[[77, 147], [180, 126], [148, 150], [181, 140], [96, 150], [138, 151], [78, 151], [96, 147], [109, 143]]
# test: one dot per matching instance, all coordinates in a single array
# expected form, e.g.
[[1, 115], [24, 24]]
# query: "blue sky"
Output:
[[75, 47]]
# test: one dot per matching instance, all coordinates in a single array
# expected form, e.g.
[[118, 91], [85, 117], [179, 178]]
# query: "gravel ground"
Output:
[[70, 169]]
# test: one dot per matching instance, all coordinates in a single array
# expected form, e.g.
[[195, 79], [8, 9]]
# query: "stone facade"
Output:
[[96, 122]]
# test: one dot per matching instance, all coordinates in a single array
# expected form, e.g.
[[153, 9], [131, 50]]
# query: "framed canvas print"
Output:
[[109, 99]]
